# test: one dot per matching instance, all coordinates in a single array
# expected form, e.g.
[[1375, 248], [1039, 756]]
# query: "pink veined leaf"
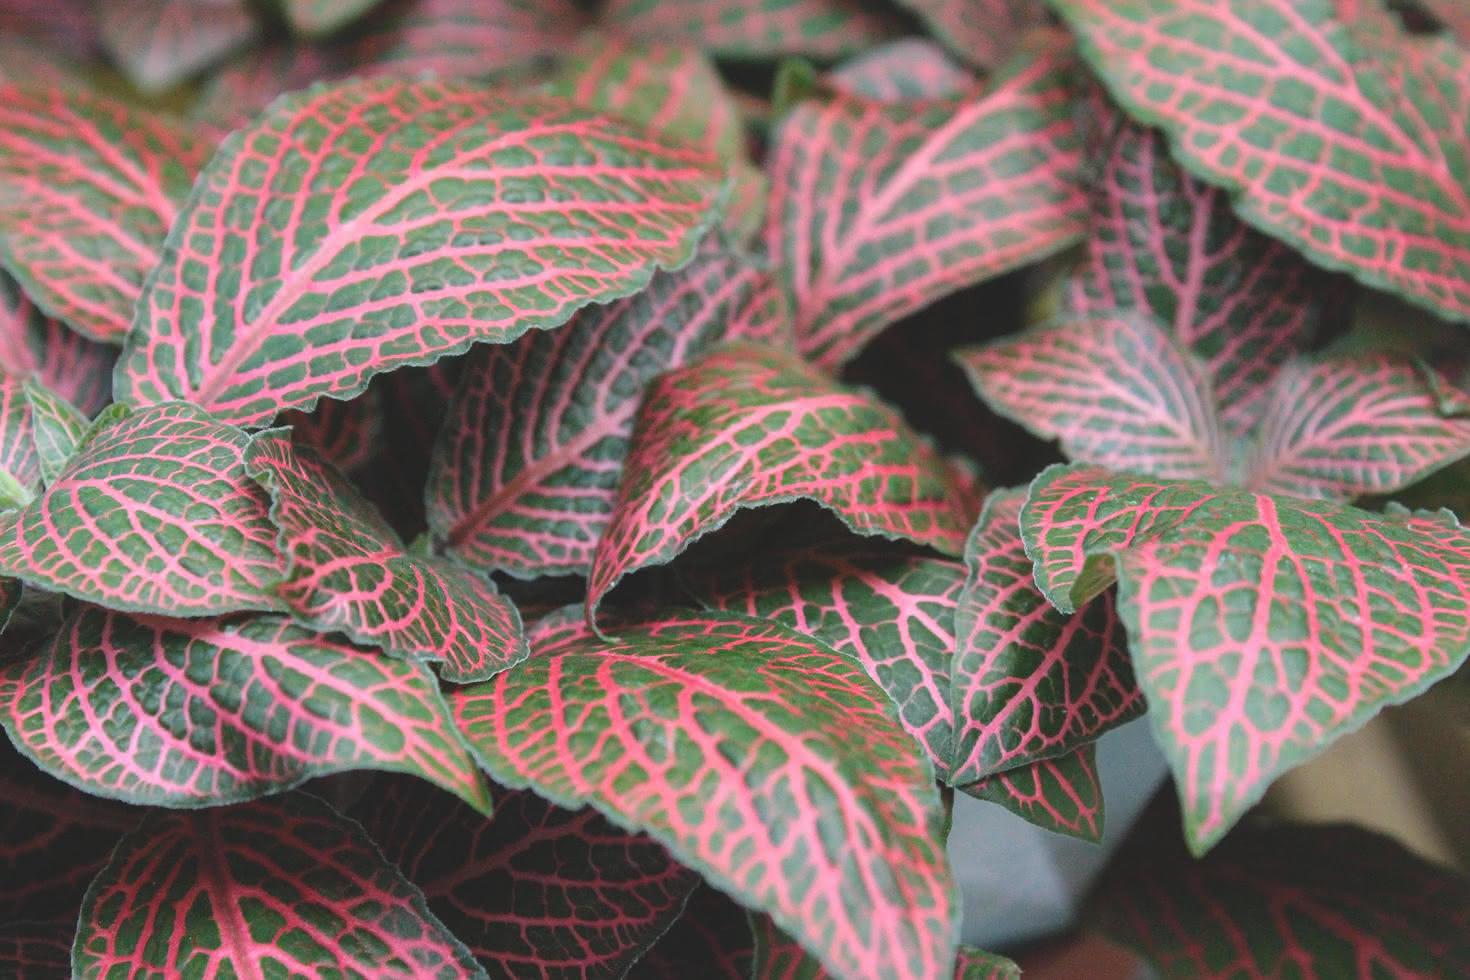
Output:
[[526, 467], [36, 950], [457, 39], [779, 957], [747, 427], [280, 887], [1452, 14], [879, 209], [1061, 794], [535, 890], [315, 17], [1030, 682], [57, 429], [984, 32], [203, 712], [498, 213], [1113, 389], [347, 570], [977, 964], [20, 468], [231, 97], [751, 29], [10, 594], [159, 43], [1317, 902], [88, 189], [155, 513], [711, 940], [1165, 244], [1352, 426], [25, 62], [1262, 628], [1347, 142], [32, 343], [908, 70], [349, 435], [758, 756]]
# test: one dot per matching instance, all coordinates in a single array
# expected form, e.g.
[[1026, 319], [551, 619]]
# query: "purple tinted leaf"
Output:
[[1061, 794], [909, 70]]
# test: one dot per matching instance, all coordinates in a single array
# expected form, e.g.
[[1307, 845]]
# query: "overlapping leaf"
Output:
[[347, 570], [20, 468], [1348, 143], [880, 209], [977, 964], [710, 940], [984, 32], [1261, 628], [1061, 794], [755, 29], [756, 754], [159, 43], [324, 16], [457, 39], [154, 514], [33, 344], [908, 70], [1451, 14], [36, 950], [779, 957], [88, 188], [282, 887], [207, 711], [537, 890], [484, 214], [748, 426], [57, 429], [349, 435], [527, 463]]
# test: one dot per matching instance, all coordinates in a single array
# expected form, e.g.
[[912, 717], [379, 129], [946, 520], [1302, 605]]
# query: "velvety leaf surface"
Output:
[[20, 467], [1349, 144], [159, 43], [1113, 389], [1061, 794], [88, 188], [324, 16], [207, 711], [155, 513], [360, 227], [526, 466], [536, 890], [754, 29], [281, 887], [711, 940], [33, 344], [908, 70], [347, 570], [36, 950], [1261, 628], [458, 39], [1311, 902], [757, 755], [57, 428], [983, 32], [747, 426], [879, 209]]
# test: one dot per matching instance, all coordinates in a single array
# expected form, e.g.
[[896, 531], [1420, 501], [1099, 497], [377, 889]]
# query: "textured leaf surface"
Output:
[[754, 29], [154, 514], [57, 428], [756, 754], [88, 188], [527, 464], [36, 950], [456, 39], [324, 16], [33, 344], [347, 570], [159, 43], [908, 70], [1350, 145], [1062, 794], [400, 221], [984, 32], [282, 887], [20, 467], [747, 426], [878, 209], [1114, 390], [537, 890], [1261, 628], [1310, 902]]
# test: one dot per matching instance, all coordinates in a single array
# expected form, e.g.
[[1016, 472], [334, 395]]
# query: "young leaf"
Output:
[[154, 514], [347, 570], [20, 467], [537, 890], [400, 221], [201, 712], [1114, 389], [88, 188], [57, 428], [755, 754], [1061, 794], [908, 70], [281, 887], [1313, 902], [747, 29], [879, 210], [526, 466], [1262, 628], [984, 32], [460, 39], [324, 16], [746, 427], [159, 43], [33, 344], [1348, 144], [36, 950]]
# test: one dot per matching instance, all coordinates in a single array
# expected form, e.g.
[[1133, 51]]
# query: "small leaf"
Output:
[[908, 70], [36, 950], [347, 570], [460, 39], [159, 43], [711, 940], [155, 513], [745, 427], [70, 25], [758, 756], [1061, 794], [779, 957], [747, 29], [32, 344], [483, 214], [976, 964], [88, 189], [20, 467], [57, 428], [984, 32], [324, 16], [282, 887], [201, 712]]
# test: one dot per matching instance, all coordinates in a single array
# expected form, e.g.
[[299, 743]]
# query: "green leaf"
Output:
[[57, 427], [1061, 794], [984, 32], [748, 29]]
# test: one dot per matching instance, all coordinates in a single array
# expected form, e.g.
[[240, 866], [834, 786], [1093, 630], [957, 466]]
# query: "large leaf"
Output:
[[747, 426], [155, 514], [1262, 628], [759, 756], [400, 221], [347, 570], [880, 209], [88, 188], [1114, 389], [1312, 902], [36, 950], [457, 39], [1351, 144], [1061, 794], [984, 32], [527, 464], [159, 43], [537, 890], [324, 16], [32, 344], [282, 887], [754, 28]]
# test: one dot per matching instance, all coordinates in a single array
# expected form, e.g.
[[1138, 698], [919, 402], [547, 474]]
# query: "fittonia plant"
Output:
[[497, 488]]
